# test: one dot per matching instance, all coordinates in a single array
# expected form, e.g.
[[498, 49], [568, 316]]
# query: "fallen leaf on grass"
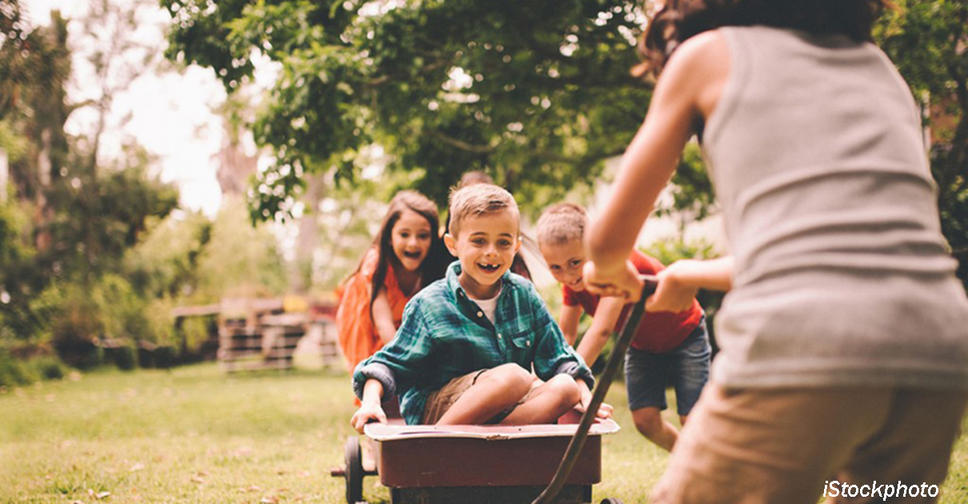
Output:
[[98, 495], [74, 376], [272, 499], [137, 467], [252, 488]]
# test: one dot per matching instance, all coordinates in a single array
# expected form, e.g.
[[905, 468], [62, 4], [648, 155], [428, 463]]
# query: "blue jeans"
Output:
[[685, 367]]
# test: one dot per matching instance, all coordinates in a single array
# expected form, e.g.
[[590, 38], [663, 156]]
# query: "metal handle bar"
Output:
[[601, 388]]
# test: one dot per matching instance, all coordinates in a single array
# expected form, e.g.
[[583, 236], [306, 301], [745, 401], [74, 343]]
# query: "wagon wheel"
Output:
[[611, 501], [354, 471]]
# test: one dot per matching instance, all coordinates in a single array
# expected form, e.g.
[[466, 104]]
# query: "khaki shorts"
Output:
[[788, 446], [439, 401]]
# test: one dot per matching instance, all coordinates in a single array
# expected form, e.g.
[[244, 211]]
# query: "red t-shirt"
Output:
[[659, 332]]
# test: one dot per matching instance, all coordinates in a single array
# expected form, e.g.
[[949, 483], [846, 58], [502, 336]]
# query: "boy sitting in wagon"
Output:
[[468, 342]]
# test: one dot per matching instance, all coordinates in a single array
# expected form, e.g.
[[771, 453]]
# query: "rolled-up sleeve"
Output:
[[553, 355], [397, 363], [367, 370], [577, 371]]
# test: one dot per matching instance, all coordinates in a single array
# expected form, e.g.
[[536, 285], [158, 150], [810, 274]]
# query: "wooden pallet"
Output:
[[269, 344]]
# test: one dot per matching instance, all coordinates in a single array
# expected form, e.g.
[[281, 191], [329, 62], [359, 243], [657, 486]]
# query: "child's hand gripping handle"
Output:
[[367, 414], [649, 284]]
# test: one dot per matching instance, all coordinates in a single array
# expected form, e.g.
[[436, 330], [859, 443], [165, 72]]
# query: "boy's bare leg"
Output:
[[494, 391], [549, 401], [367, 454], [650, 423]]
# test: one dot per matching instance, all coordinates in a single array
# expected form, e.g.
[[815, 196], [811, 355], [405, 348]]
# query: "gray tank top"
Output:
[[842, 274]]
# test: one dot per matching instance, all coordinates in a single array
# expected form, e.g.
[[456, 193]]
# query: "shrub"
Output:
[[49, 367], [12, 371], [18, 372], [165, 356], [196, 332], [121, 353], [146, 354], [74, 323]]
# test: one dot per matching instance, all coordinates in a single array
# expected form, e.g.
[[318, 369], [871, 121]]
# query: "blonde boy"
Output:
[[668, 349], [464, 351]]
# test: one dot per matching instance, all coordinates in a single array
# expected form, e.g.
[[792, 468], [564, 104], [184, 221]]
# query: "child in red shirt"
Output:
[[668, 349]]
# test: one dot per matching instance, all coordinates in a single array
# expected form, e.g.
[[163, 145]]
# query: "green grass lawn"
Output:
[[197, 435]]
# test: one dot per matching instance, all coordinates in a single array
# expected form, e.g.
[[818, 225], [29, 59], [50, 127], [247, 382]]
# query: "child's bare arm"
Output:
[[370, 406], [607, 313], [687, 91], [712, 274], [679, 282], [570, 315], [383, 317], [604, 410]]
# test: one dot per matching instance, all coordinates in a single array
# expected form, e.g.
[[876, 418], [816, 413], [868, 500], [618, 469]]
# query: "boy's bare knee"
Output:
[[511, 377], [565, 388], [648, 421]]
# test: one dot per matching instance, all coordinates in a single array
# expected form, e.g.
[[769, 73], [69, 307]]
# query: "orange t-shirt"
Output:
[[659, 332], [354, 323]]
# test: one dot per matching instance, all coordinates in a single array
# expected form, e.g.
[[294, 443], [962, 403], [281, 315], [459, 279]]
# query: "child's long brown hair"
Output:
[[433, 265], [677, 20]]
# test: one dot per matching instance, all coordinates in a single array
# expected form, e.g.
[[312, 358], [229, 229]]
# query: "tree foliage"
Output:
[[239, 260], [68, 221], [928, 40], [537, 94]]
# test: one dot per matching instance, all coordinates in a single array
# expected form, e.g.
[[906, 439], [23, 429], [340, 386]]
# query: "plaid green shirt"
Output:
[[445, 334]]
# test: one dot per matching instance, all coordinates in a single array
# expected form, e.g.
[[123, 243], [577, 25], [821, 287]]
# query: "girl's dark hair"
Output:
[[677, 20], [433, 265]]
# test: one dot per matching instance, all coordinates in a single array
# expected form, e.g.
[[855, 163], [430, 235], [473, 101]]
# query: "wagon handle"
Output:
[[601, 388]]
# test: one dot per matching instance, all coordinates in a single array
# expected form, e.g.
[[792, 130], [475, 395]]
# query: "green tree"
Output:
[[538, 94], [165, 263], [535, 93], [18, 277], [98, 216], [239, 260], [68, 220], [928, 40], [34, 67]]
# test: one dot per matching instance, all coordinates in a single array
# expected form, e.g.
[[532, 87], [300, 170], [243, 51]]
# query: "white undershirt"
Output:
[[488, 306]]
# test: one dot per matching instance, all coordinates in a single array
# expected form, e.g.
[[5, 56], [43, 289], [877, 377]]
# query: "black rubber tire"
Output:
[[354, 470], [611, 501]]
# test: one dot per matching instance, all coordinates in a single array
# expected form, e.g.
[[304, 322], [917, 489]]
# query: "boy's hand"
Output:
[[671, 294], [621, 282], [604, 410], [365, 414]]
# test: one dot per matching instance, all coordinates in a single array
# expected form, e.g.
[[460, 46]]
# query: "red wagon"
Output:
[[430, 464], [483, 464]]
